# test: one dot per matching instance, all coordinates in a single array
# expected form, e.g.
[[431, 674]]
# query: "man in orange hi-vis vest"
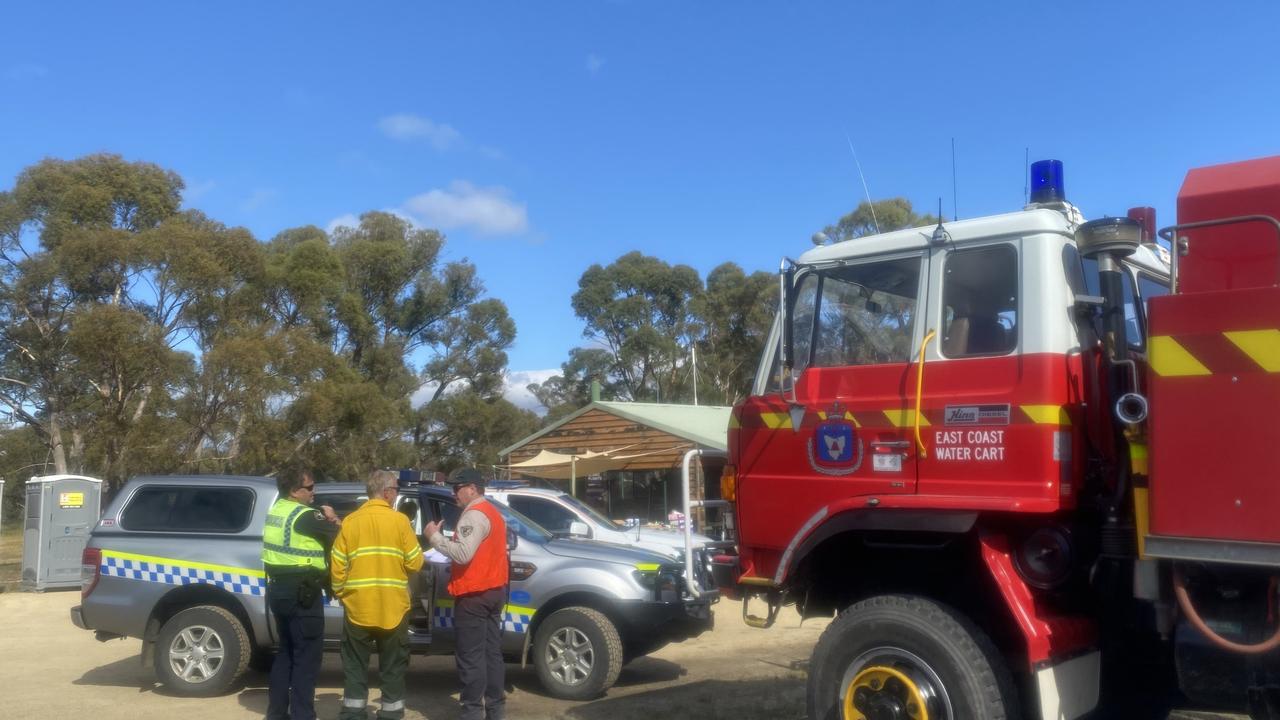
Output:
[[478, 583], [370, 564]]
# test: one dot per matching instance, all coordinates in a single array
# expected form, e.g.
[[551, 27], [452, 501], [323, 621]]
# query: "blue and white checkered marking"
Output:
[[168, 572], [514, 619], [516, 622], [442, 617]]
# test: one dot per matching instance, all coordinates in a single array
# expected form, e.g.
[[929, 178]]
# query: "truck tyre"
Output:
[[201, 651], [578, 653], [886, 655]]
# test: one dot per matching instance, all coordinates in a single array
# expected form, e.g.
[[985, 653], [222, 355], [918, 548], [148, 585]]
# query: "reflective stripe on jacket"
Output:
[[488, 569], [370, 565], [281, 545]]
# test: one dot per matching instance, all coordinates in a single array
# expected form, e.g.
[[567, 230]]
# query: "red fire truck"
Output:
[[1016, 455]]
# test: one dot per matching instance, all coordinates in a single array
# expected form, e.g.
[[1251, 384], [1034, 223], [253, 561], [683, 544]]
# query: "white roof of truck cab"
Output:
[[990, 227], [1023, 223]]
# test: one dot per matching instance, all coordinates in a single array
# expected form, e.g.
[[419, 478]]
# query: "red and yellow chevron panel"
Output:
[[1214, 390], [1234, 352]]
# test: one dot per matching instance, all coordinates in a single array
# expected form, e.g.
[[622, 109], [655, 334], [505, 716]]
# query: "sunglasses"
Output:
[[309, 488]]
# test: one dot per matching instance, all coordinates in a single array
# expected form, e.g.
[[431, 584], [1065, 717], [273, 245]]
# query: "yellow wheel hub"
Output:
[[880, 691]]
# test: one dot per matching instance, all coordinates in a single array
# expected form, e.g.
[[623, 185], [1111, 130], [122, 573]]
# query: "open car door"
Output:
[[439, 602]]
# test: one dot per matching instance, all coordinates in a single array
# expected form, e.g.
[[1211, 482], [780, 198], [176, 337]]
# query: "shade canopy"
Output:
[[564, 466]]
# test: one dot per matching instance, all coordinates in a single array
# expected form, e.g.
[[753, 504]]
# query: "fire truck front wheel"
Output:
[[907, 657]]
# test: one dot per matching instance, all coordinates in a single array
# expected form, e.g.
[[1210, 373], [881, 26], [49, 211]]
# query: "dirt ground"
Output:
[[53, 669], [732, 672]]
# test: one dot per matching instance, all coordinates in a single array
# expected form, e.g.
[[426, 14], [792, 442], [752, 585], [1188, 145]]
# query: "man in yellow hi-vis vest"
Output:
[[295, 541], [372, 559]]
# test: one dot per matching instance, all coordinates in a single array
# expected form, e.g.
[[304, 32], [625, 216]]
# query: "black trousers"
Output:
[[291, 692], [477, 618]]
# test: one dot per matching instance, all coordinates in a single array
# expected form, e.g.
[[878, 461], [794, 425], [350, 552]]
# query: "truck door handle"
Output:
[[899, 444]]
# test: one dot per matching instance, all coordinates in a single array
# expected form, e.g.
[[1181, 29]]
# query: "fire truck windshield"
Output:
[[856, 314]]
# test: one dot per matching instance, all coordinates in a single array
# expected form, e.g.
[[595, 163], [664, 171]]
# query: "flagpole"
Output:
[[693, 352]]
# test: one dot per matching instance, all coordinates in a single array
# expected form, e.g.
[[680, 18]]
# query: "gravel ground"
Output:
[[53, 669]]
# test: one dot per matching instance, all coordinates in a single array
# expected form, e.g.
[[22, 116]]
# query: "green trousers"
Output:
[[392, 646]]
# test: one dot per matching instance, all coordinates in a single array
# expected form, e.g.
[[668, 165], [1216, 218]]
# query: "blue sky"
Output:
[[543, 137]]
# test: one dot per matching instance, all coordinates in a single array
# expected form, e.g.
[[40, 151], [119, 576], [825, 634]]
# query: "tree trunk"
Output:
[[142, 404], [77, 450], [233, 450], [55, 444]]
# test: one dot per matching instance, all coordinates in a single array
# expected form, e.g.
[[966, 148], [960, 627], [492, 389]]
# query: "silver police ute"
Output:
[[175, 561]]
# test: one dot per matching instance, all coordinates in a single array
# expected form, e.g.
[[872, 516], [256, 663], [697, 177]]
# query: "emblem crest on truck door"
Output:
[[835, 448]]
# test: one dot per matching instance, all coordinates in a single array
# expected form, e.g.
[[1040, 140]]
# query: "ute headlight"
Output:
[[663, 580]]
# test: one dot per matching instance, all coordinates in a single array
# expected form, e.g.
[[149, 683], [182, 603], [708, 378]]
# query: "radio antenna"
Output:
[[1026, 175], [955, 207], [865, 189]]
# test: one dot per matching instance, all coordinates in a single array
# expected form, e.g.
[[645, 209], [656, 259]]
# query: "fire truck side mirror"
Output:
[[786, 299]]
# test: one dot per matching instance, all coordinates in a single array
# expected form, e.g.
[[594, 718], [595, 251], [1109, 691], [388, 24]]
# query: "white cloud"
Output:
[[422, 395], [406, 126], [347, 220], [26, 71], [594, 64], [488, 211], [195, 191], [258, 198], [514, 388]]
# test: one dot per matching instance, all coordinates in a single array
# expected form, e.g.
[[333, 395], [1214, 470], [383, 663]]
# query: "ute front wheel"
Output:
[[577, 653], [903, 657]]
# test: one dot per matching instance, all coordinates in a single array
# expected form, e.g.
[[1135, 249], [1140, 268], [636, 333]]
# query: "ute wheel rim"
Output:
[[196, 654], [570, 656], [888, 683]]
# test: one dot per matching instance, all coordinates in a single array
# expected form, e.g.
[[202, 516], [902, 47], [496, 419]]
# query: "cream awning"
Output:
[[564, 466]]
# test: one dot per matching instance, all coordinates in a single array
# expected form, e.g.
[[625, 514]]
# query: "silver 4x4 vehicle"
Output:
[[563, 514], [175, 561]]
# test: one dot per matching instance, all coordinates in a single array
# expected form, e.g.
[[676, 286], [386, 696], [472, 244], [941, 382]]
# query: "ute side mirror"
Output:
[[513, 540], [578, 528]]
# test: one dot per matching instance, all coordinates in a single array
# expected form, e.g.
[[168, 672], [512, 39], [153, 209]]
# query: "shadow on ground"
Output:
[[776, 699], [127, 672]]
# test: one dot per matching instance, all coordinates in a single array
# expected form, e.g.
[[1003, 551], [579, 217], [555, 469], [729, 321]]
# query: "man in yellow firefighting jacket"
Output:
[[372, 559]]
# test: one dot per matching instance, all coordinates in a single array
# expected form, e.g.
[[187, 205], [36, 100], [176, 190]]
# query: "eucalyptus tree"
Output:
[[639, 309], [399, 321], [736, 313], [871, 218], [78, 252]]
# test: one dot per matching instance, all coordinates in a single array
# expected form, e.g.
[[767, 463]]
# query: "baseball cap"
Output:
[[466, 476]]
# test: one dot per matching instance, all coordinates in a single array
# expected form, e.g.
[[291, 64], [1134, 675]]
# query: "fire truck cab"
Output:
[[946, 447]]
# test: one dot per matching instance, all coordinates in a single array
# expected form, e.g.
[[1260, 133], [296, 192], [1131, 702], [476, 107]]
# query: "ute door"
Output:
[[443, 635], [343, 503], [421, 583], [847, 431]]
